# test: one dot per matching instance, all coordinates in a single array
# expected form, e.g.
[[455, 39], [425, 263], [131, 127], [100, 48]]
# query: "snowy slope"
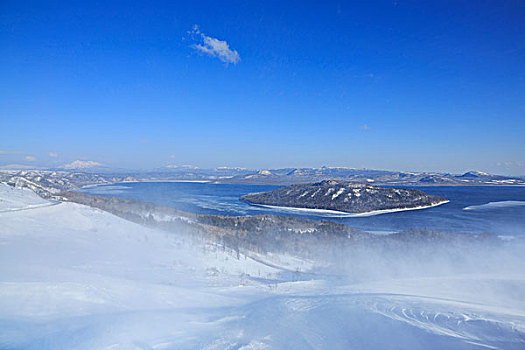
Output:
[[67, 261], [12, 198], [73, 277]]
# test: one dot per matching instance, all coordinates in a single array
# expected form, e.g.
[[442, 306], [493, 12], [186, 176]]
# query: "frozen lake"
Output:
[[500, 210]]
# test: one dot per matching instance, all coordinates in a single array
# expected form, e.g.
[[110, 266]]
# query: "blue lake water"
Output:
[[500, 210]]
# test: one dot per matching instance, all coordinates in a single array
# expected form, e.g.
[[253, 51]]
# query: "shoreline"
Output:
[[337, 213], [495, 205], [141, 181], [188, 181]]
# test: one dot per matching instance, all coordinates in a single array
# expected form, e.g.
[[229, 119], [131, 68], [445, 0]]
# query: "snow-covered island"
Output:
[[344, 196]]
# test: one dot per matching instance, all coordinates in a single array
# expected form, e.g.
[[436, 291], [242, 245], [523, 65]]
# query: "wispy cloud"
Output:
[[19, 166], [511, 164], [185, 166], [81, 164], [30, 158], [214, 47], [10, 152], [364, 127], [53, 154]]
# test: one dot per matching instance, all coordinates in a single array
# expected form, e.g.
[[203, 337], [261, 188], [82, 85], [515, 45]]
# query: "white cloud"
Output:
[[214, 47], [53, 154], [81, 164], [30, 158], [172, 156]]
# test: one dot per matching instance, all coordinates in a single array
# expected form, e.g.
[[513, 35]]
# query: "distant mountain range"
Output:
[[50, 182], [289, 176], [377, 177]]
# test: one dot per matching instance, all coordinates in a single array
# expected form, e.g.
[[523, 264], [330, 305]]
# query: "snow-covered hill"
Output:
[[49, 184], [344, 196], [75, 277], [16, 199]]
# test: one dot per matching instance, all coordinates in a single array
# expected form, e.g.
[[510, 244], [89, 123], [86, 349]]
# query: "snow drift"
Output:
[[75, 277]]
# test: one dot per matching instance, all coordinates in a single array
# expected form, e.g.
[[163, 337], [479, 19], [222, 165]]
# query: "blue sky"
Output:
[[401, 85]]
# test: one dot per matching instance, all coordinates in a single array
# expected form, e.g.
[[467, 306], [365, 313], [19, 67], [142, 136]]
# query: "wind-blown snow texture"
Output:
[[74, 277]]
